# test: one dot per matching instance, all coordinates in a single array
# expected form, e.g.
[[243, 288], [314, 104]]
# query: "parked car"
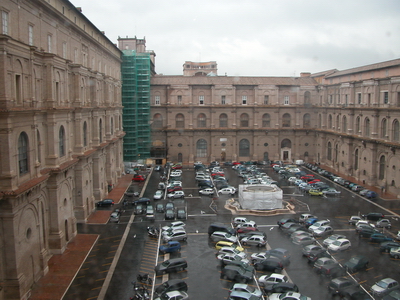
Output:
[[170, 247], [383, 223], [223, 236], [114, 217], [318, 224], [219, 245], [169, 214], [257, 257], [310, 248], [172, 225], [281, 253], [255, 240], [338, 284], [272, 264], [173, 295], [280, 288], [207, 192], [138, 210], [329, 240], [393, 295], [322, 262], [237, 274], [315, 192], [138, 178], [331, 192], [395, 252], [220, 227], [367, 231], [340, 245], [171, 285], [304, 217], [288, 296], [176, 195], [271, 279], [323, 230], [241, 295], [181, 213], [386, 246], [170, 265], [317, 254], [379, 238], [160, 208], [354, 219], [356, 263], [332, 270], [175, 235], [286, 220], [142, 200], [105, 202], [227, 191], [240, 287], [373, 216], [303, 240], [174, 188], [158, 195], [227, 258], [384, 287]]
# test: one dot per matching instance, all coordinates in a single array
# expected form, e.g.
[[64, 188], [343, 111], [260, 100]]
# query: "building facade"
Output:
[[349, 120], [60, 133]]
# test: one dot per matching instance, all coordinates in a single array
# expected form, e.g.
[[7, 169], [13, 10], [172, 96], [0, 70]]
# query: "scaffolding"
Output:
[[136, 75]]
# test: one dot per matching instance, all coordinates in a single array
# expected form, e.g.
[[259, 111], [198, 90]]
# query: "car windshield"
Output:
[[382, 284], [353, 260], [337, 243]]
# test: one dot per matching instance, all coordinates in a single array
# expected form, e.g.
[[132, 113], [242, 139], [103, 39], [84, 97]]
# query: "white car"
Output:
[[354, 219], [207, 192], [176, 194], [226, 258], [318, 224], [158, 195], [174, 225], [181, 295], [266, 280], [288, 296], [171, 230], [239, 220], [257, 257], [231, 250], [223, 236], [292, 179], [340, 245], [247, 224], [334, 237], [323, 230], [248, 289], [227, 191]]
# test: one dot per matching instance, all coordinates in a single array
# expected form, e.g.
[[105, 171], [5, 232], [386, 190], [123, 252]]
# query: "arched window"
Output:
[[329, 151], [61, 141], [384, 128], [266, 120], [286, 143], [180, 121], [244, 120], [223, 120], [330, 122], [319, 121], [244, 147], [286, 120], [306, 121], [344, 124], [201, 148], [382, 165], [157, 121], [356, 158], [23, 145], [84, 134], [201, 120], [101, 130], [396, 131], [358, 121], [337, 122], [367, 127], [38, 146]]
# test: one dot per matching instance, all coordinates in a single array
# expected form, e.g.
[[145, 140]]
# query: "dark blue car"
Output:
[[172, 246], [310, 221]]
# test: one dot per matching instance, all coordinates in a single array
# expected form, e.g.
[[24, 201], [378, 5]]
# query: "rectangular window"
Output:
[[4, 22], [385, 97], [64, 50], [30, 35], [330, 99], [244, 100], [49, 43], [359, 98], [223, 99], [157, 100], [179, 99], [286, 100], [338, 99], [201, 100], [266, 99]]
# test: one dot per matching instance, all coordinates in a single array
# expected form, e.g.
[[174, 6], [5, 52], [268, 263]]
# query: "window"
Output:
[[329, 151], [266, 99], [385, 97], [49, 43], [344, 124], [358, 121], [286, 100], [223, 120], [356, 158], [367, 127], [179, 100], [157, 100], [359, 98], [101, 131], [84, 134], [330, 99], [30, 35], [382, 165], [244, 147], [384, 128], [396, 131], [180, 121], [306, 121], [307, 97], [201, 100], [61, 141], [201, 120], [112, 126], [244, 120], [266, 120], [223, 99], [23, 153], [157, 121], [201, 148], [286, 120], [244, 100], [330, 122], [39, 146], [4, 22]]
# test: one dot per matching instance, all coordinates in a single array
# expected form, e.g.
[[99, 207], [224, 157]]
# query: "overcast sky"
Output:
[[255, 37]]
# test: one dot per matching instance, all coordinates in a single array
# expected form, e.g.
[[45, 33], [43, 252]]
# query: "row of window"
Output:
[[286, 100], [23, 144]]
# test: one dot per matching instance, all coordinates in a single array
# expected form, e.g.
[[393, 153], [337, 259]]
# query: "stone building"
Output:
[[347, 120], [60, 133]]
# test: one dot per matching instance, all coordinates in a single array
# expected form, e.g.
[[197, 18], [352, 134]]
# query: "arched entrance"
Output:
[[286, 150], [223, 156]]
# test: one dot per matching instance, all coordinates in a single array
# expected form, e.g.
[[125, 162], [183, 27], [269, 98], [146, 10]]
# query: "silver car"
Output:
[[384, 287], [223, 236]]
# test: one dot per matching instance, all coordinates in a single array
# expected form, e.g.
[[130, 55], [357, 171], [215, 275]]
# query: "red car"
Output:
[[246, 229], [174, 188], [236, 163], [138, 178], [176, 167], [217, 174], [313, 181], [307, 177]]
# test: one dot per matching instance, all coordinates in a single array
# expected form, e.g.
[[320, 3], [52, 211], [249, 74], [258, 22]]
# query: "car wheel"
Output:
[[244, 243], [396, 256], [387, 250]]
